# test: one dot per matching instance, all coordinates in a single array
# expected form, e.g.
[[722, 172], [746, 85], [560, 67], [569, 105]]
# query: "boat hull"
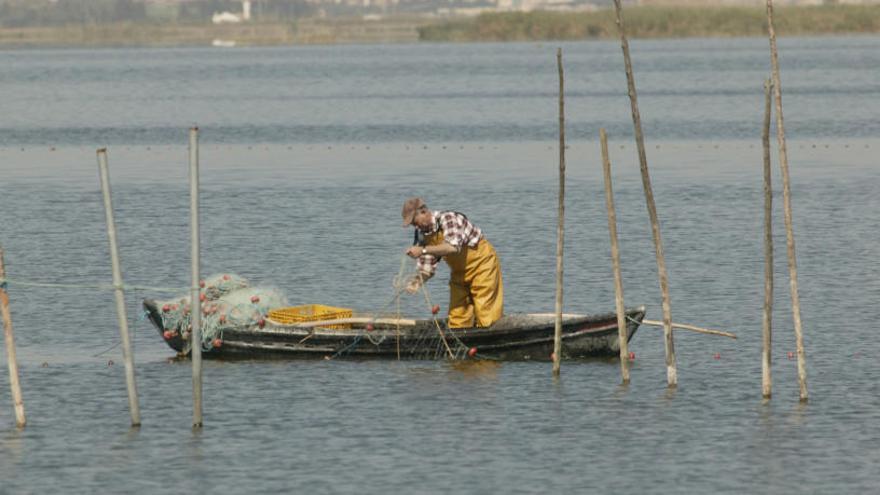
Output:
[[515, 338]]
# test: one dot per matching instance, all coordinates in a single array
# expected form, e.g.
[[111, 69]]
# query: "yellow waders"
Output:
[[476, 292]]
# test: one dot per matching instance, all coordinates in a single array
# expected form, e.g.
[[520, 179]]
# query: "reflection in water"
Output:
[[11, 447], [798, 415], [621, 390], [195, 444], [477, 368], [669, 395]]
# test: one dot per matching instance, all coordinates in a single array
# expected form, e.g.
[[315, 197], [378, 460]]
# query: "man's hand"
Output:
[[414, 251]]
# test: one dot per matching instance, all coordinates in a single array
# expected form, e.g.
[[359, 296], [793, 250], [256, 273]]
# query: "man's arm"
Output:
[[437, 250], [427, 257]]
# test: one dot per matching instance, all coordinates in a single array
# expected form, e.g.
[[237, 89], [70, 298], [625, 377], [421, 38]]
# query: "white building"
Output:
[[229, 17]]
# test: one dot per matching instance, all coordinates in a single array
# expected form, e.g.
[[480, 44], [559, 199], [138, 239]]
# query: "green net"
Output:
[[228, 301]]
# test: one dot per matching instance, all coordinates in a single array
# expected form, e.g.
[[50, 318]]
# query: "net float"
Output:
[[369, 327], [226, 277], [632, 356], [472, 352], [790, 355], [261, 323], [217, 343], [167, 334], [166, 308], [202, 284], [202, 297], [255, 299], [435, 309], [222, 319], [717, 355]]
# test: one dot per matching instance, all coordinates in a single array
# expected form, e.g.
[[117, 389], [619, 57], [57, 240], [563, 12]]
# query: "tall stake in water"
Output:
[[615, 261], [11, 361], [119, 294], [671, 372], [786, 204], [560, 229], [195, 301], [766, 380]]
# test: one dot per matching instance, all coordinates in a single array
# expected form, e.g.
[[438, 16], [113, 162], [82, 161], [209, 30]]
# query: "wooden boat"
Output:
[[513, 337]]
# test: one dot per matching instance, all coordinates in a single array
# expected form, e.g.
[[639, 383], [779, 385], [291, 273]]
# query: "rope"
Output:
[[142, 317], [398, 328], [347, 349], [436, 323], [105, 351], [7, 280], [400, 282]]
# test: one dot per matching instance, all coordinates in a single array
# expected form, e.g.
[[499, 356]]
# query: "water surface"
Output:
[[307, 154]]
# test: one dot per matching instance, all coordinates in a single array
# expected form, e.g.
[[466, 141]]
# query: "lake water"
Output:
[[307, 153]]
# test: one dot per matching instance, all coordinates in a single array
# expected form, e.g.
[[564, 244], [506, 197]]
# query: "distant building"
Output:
[[225, 18], [229, 17]]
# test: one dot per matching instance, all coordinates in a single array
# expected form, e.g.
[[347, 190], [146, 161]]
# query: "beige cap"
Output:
[[410, 207]]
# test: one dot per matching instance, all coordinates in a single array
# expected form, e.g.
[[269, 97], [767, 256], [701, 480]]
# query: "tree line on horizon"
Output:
[[656, 22], [31, 13]]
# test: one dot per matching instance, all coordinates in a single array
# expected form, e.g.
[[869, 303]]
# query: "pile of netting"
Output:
[[228, 301]]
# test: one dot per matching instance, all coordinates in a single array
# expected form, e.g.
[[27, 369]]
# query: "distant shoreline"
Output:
[[641, 22], [659, 22], [303, 32]]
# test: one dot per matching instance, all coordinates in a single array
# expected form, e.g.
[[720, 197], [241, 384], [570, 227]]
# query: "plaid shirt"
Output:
[[457, 230]]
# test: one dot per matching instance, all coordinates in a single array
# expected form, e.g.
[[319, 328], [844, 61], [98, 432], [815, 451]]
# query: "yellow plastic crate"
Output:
[[310, 312]]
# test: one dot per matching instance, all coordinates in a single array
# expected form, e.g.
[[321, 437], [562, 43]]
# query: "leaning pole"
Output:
[[671, 370], [119, 294], [11, 360], [786, 205]]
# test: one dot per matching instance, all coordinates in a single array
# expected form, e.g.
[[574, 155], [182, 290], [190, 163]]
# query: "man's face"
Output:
[[423, 219]]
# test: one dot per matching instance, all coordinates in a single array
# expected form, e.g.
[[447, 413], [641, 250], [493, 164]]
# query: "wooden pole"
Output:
[[11, 361], [195, 301], [560, 228], [692, 328], [119, 294], [786, 204], [766, 379], [615, 261], [671, 372]]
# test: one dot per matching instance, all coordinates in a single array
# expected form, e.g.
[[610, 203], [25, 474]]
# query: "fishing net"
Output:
[[228, 301], [430, 342]]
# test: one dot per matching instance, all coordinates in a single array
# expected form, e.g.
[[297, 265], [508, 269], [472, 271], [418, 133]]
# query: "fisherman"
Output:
[[476, 293]]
